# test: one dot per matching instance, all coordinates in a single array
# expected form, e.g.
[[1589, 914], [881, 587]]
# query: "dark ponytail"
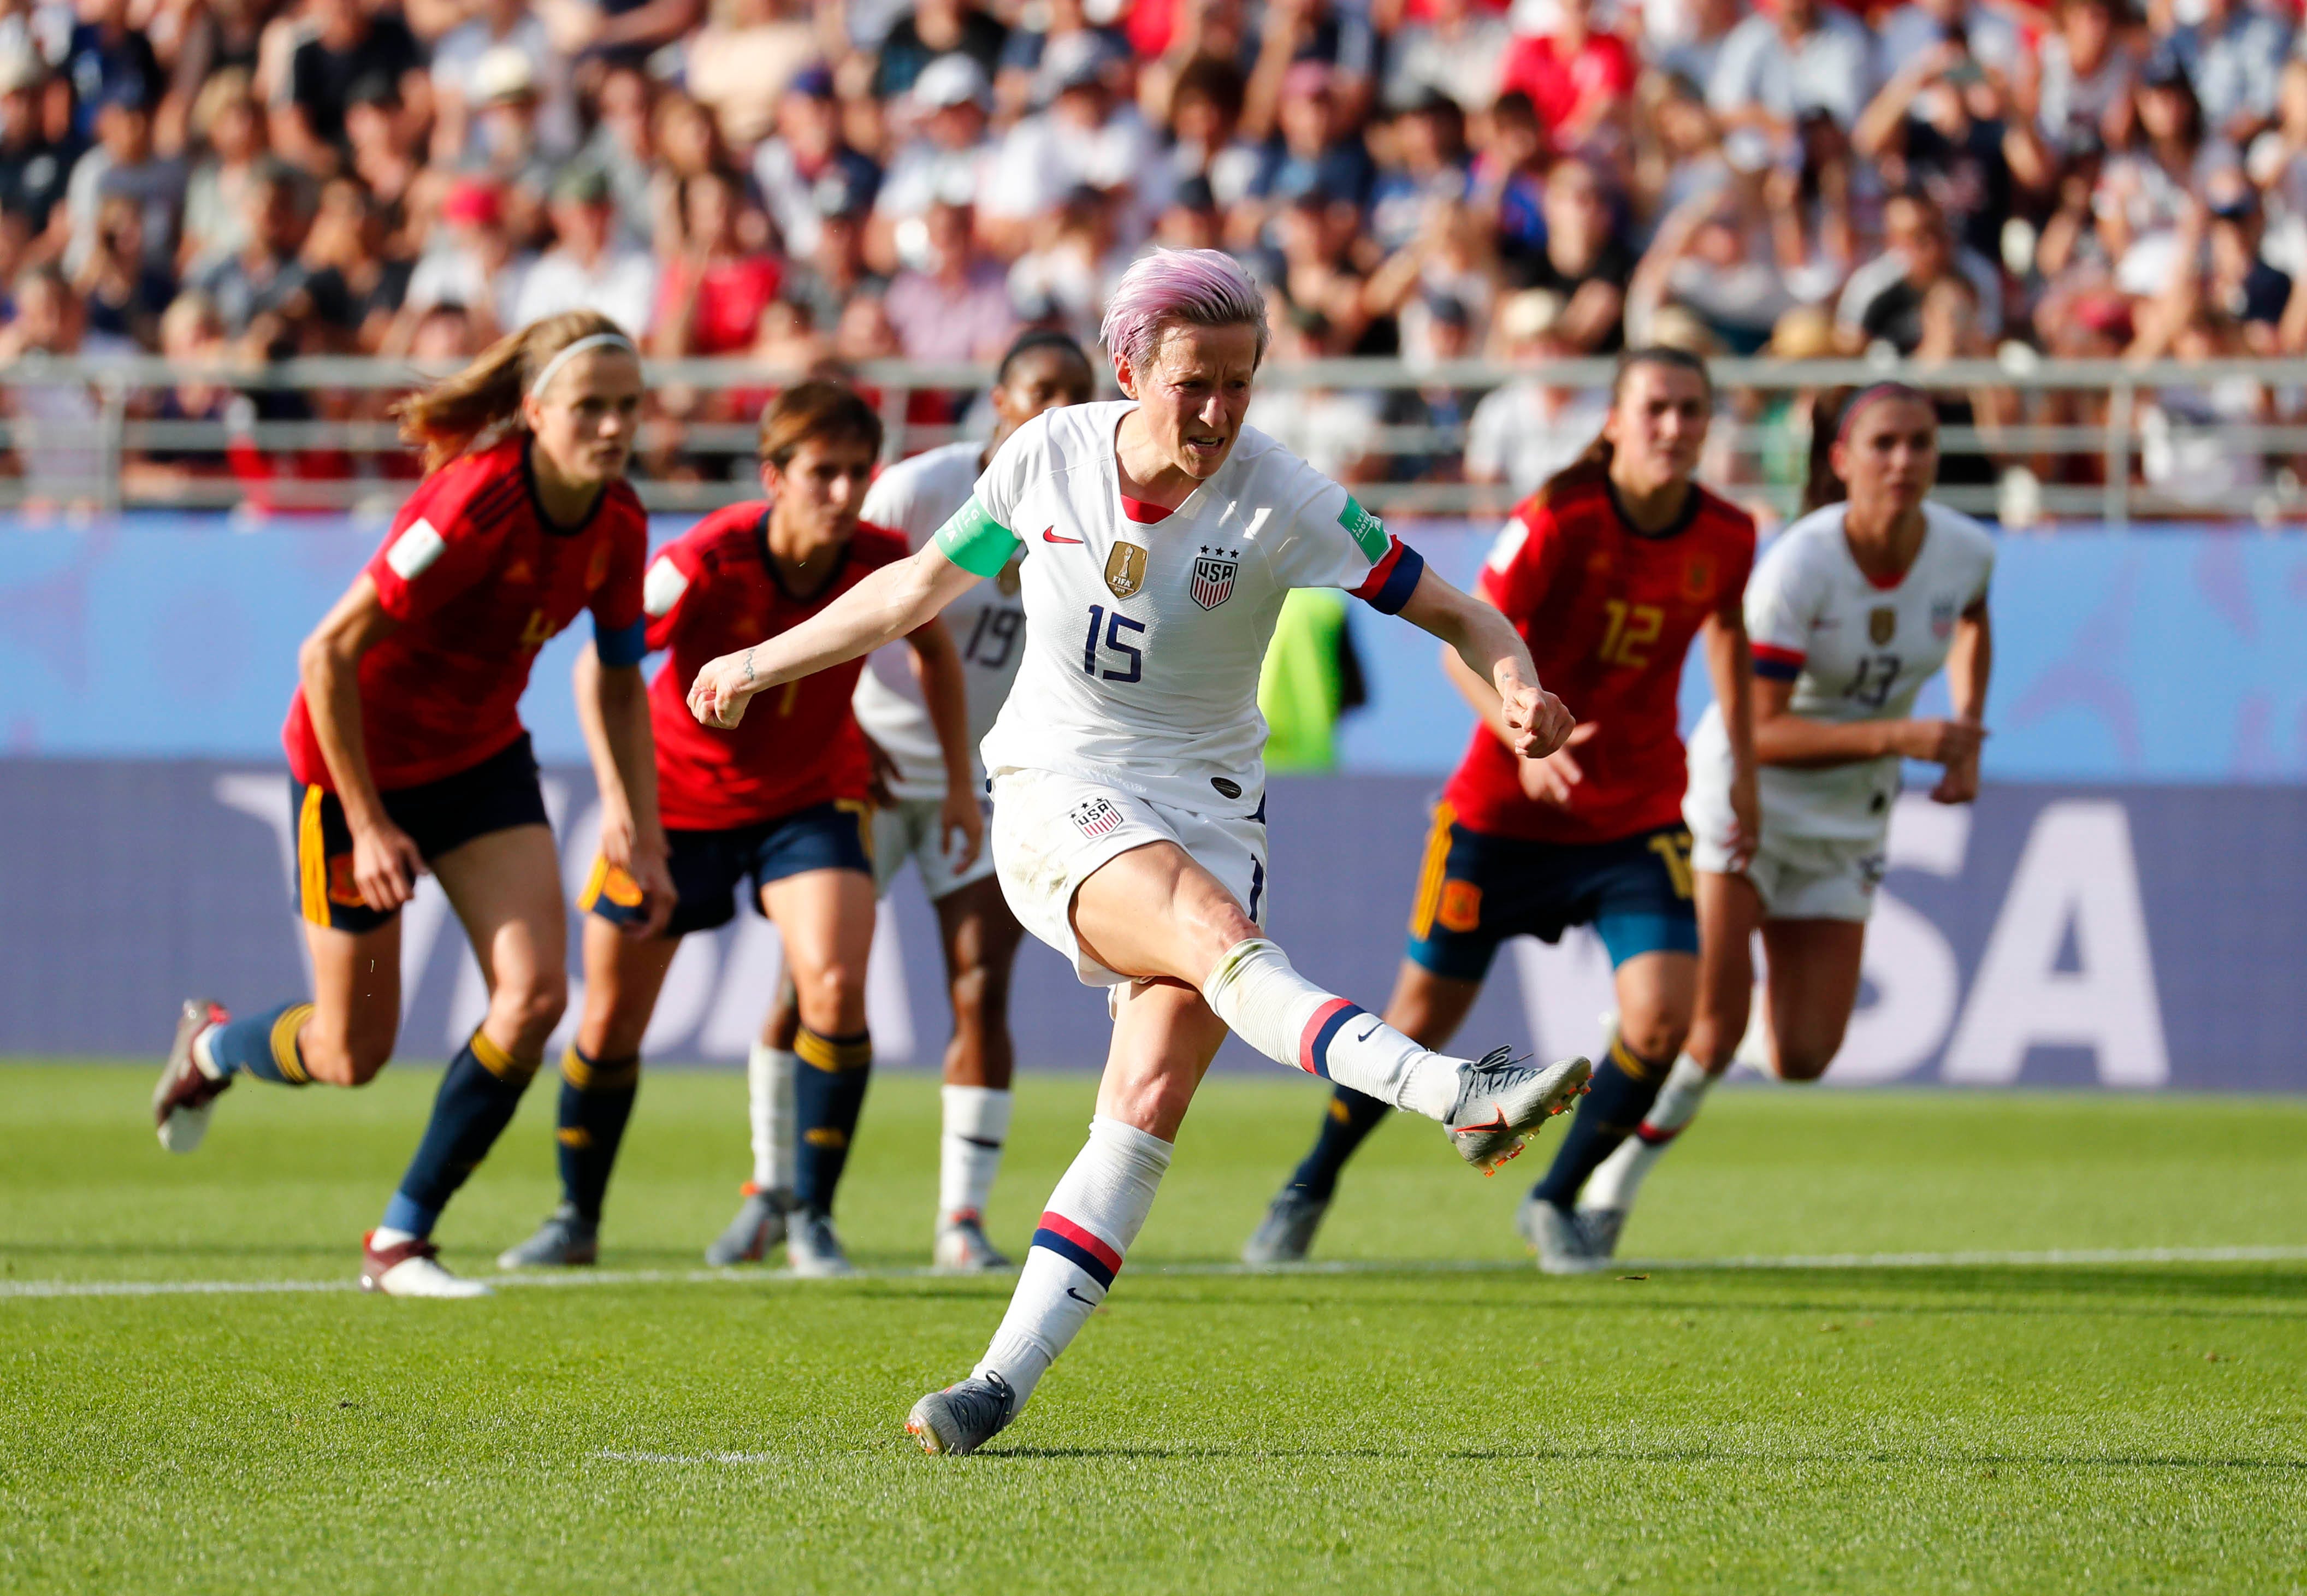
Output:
[[1830, 415]]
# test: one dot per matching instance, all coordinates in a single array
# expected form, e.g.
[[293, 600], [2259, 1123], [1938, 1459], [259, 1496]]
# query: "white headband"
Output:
[[591, 340]]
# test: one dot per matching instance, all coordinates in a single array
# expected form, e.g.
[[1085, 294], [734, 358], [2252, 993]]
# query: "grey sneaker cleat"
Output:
[[1287, 1231], [565, 1239], [960, 1419], [1557, 1238], [1601, 1227], [813, 1250], [1503, 1099], [961, 1247], [184, 1094], [759, 1225]]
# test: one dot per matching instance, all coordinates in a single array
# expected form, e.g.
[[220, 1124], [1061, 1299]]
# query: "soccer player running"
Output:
[[1852, 610], [979, 935], [407, 754], [1161, 537], [1609, 572], [780, 803]]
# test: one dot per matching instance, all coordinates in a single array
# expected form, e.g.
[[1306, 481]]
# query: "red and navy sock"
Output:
[[597, 1099], [1621, 1092], [1345, 1126], [263, 1045], [477, 1100], [829, 1095]]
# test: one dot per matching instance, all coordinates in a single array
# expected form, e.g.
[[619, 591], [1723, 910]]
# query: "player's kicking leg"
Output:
[[980, 938], [1154, 913], [1429, 1009]]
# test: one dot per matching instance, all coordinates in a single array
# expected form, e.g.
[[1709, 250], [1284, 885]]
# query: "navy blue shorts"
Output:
[[496, 794], [707, 865], [1476, 890]]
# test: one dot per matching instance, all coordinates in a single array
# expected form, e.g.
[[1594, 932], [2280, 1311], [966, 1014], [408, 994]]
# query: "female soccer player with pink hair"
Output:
[[1161, 536]]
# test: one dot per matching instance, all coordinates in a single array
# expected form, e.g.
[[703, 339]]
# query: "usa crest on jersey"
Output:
[[1213, 575], [1095, 817]]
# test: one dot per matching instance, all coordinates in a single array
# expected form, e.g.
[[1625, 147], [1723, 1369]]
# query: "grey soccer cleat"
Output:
[[1287, 1231], [759, 1225], [566, 1239], [1601, 1227], [957, 1421], [184, 1094], [1560, 1242], [1503, 1099], [962, 1247], [813, 1250]]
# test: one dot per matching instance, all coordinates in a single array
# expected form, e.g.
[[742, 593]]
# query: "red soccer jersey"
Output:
[[1609, 613], [479, 580], [713, 592]]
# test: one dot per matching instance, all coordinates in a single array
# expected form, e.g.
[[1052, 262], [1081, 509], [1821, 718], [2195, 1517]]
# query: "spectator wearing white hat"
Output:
[[949, 152], [458, 59]]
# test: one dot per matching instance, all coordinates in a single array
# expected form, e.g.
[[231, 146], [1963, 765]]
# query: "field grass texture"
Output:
[[2007, 1343]]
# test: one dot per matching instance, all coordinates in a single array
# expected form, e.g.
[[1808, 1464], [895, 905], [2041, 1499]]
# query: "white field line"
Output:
[[579, 1278]]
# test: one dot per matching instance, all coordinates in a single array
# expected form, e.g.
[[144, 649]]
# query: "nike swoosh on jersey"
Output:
[[1050, 535]]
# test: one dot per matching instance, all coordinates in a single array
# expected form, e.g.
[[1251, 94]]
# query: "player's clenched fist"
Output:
[[723, 688], [1536, 719]]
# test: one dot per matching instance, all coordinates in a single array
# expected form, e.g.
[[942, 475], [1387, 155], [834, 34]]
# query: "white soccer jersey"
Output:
[[1142, 641], [988, 623], [1855, 652]]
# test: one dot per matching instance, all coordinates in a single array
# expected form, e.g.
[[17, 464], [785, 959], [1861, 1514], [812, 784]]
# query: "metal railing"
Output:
[[82, 434]]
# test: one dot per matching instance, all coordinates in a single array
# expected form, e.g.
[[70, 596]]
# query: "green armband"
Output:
[[976, 542]]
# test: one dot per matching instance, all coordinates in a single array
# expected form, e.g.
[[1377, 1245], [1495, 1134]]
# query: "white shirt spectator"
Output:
[[1914, 31], [1044, 156], [1831, 69], [1522, 433], [621, 285]]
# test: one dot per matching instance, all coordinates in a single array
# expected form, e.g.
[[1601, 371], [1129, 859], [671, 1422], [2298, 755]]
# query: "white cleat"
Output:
[[962, 1247], [1502, 1100], [813, 1250], [1560, 1242], [411, 1269]]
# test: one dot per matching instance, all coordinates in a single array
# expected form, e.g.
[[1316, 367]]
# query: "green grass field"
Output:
[[1994, 1423]]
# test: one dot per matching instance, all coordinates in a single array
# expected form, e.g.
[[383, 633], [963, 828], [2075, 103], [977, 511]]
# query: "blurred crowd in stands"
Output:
[[1432, 180]]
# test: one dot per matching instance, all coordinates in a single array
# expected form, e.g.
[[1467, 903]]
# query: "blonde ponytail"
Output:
[[481, 404]]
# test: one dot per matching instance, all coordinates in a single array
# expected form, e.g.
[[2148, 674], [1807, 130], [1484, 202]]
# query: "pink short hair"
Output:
[[1194, 287]]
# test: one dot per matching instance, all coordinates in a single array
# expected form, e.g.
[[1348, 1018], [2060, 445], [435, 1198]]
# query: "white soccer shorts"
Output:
[[1810, 881], [909, 829], [1052, 831]]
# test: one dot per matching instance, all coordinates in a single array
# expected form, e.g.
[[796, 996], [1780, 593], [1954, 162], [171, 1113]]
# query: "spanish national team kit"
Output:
[[479, 579], [1609, 612], [785, 791]]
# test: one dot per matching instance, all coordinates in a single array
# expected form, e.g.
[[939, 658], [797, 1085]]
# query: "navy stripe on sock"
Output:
[[1081, 1258]]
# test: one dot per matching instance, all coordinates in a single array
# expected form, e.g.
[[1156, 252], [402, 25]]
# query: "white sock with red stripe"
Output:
[[1291, 1020], [1617, 1180], [1094, 1216]]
